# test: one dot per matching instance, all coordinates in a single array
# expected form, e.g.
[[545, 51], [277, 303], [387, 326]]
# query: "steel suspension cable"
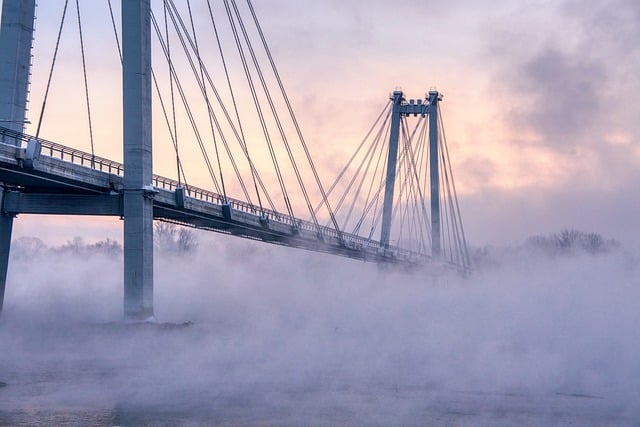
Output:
[[422, 165], [206, 97], [403, 176], [460, 244], [377, 212], [446, 212], [464, 239], [293, 117], [422, 159], [235, 107], [454, 225], [383, 184], [420, 195], [368, 158], [115, 29], [276, 116], [178, 24], [387, 110], [178, 20], [375, 200], [186, 104], [171, 135], [159, 94], [418, 207], [452, 229], [86, 84], [258, 109], [369, 200], [53, 64], [399, 196], [171, 90], [382, 135], [403, 159]]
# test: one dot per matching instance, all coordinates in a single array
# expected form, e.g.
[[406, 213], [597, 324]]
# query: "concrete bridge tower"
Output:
[[16, 36]]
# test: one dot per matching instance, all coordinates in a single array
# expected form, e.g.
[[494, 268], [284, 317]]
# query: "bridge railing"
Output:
[[239, 205], [12, 134], [81, 158], [62, 152], [72, 155]]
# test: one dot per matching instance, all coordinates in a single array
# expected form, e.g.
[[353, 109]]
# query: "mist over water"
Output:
[[283, 337]]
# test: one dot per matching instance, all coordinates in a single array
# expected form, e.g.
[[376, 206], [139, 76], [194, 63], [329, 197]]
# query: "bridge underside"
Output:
[[49, 185]]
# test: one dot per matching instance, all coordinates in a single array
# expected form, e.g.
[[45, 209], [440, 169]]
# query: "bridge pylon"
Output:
[[138, 168], [434, 172], [400, 108], [16, 36], [390, 183]]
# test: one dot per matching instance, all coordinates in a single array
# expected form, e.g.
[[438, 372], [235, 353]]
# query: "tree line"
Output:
[[167, 238]]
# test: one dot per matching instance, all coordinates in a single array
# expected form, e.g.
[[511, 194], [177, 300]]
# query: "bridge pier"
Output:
[[6, 225], [138, 172], [16, 35], [434, 164], [401, 108], [390, 182]]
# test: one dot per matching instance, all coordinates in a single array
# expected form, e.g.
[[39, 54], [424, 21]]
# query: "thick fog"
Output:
[[284, 337]]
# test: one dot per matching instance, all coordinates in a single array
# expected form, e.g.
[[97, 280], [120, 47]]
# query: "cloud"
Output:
[[565, 101], [611, 24], [539, 93], [561, 75], [498, 215], [561, 78]]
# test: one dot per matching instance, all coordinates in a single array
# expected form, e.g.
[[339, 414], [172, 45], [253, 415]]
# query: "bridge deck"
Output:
[[49, 178]]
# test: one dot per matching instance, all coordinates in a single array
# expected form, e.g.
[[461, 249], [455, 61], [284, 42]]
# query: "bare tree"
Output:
[[108, 246], [28, 247], [172, 238], [571, 241], [187, 241], [164, 235]]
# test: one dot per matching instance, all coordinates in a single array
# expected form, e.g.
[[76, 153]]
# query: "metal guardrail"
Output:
[[78, 157], [62, 152]]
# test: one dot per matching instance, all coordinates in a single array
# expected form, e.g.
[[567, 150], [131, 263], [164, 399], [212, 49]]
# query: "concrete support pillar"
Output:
[[390, 183], [16, 36], [138, 194], [6, 224], [434, 167]]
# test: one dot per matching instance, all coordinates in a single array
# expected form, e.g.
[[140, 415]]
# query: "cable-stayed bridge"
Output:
[[393, 202]]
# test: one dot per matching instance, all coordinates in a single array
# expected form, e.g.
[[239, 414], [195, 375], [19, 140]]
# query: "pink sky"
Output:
[[538, 105]]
